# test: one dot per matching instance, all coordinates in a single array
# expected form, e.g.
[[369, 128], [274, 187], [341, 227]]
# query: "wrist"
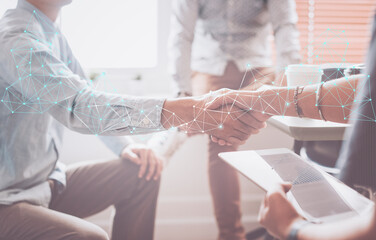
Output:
[[293, 230], [177, 111]]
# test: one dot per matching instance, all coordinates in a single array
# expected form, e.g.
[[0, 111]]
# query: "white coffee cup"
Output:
[[303, 74]]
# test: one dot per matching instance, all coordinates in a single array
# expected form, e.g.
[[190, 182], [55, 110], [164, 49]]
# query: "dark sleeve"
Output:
[[358, 154]]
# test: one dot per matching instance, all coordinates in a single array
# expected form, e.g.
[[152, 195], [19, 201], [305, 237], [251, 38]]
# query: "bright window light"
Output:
[[112, 33], [6, 4]]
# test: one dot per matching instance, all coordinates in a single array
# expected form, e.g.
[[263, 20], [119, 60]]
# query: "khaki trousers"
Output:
[[91, 188], [223, 180]]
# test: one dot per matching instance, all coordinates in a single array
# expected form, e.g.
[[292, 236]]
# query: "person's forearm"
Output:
[[336, 100]]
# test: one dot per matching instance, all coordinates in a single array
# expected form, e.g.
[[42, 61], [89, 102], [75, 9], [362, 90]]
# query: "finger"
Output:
[[159, 167], [243, 136], [222, 142], [246, 129], [144, 164], [223, 98], [248, 119], [235, 141], [214, 139], [132, 156], [152, 165], [262, 117]]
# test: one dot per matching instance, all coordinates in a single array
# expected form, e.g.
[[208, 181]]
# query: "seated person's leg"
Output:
[[92, 187], [26, 221]]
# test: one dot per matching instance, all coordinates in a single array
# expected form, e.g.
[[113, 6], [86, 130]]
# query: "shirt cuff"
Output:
[[148, 117]]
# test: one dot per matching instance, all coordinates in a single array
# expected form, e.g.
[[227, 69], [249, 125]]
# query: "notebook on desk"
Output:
[[317, 195]]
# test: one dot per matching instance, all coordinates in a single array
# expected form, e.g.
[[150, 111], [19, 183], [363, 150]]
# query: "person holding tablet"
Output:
[[357, 159]]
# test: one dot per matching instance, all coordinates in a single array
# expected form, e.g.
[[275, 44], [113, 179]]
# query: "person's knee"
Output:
[[92, 233]]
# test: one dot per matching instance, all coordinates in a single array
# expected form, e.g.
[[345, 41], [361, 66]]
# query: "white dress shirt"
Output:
[[206, 34], [43, 90]]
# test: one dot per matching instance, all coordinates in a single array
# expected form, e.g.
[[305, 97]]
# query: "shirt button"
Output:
[[146, 121]]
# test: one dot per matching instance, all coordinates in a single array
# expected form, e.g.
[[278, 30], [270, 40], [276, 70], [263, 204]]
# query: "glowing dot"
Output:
[[354, 90], [55, 102], [23, 103], [38, 98], [344, 118], [228, 112], [2, 100], [123, 120], [343, 106], [69, 109], [315, 105], [45, 86], [29, 62], [100, 119], [277, 93], [220, 126], [12, 112], [173, 113], [31, 48]]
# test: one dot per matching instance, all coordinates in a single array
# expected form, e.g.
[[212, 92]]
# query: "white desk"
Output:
[[309, 129]]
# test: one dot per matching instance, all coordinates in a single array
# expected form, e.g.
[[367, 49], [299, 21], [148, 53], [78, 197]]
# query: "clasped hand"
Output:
[[226, 120]]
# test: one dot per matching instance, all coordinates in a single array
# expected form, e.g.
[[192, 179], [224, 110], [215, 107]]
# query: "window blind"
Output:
[[334, 31]]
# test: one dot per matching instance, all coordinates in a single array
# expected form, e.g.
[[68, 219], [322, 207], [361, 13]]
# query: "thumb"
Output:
[[215, 103], [132, 156]]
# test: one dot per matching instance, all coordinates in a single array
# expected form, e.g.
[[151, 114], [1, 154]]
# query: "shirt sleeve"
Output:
[[283, 17], [183, 22], [43, 84], [115, 143], [358, 154]]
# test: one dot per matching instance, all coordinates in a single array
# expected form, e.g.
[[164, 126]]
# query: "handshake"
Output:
[[229, 116]]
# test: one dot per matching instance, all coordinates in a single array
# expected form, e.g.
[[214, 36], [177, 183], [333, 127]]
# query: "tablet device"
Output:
[[318, 196]]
